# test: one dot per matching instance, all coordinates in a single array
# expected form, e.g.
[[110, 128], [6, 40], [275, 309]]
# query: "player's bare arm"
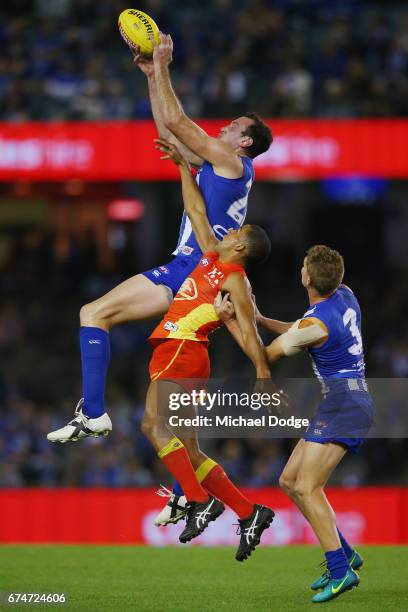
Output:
[[221, 154], [225, 310], [193, 201], [302, 334], [240, 295], [145, 64]]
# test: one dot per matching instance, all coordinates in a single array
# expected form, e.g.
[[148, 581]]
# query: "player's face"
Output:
[[233, 238], [232, 133]]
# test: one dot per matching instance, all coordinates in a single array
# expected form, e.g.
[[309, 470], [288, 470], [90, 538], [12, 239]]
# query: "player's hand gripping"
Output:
[[171, 152], [224, 307], [144, 62], [163, 52]]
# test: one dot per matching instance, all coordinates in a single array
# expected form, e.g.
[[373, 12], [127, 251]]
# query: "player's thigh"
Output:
[[290, 471], [318, 463], [137, 298]]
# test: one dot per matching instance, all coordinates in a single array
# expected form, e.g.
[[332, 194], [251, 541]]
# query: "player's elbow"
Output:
[[172, 120]]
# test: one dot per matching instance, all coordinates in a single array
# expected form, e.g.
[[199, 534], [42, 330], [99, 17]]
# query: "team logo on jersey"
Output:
[[171, 327], [186, 250], [188, 290], [164, 269], [204, 261]]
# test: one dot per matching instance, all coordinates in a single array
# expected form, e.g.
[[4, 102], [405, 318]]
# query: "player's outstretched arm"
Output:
[[304, 333], [241, 297], [273, 325], [193, 201], [147, 67], [218, 153]]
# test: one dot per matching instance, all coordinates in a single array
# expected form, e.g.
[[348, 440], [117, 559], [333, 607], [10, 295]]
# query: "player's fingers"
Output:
[[163, 142], [218, 299], [163, 150], [225, 299], [165, 157]]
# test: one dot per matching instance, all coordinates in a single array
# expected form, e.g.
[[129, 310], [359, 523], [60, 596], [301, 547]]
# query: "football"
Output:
[[137, 29]]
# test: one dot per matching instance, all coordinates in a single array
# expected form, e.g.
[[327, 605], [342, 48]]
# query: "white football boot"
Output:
[[173, 511], [82, 426]]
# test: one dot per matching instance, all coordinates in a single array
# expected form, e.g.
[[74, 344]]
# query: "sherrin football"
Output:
[[136, 29]]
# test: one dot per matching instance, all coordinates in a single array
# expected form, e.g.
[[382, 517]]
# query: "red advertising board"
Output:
[[125, 516], [307, 149]]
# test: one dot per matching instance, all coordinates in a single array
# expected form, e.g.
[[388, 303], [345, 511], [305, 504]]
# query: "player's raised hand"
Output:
[[170, 151], [224, 307], [163, 52], [144, 62]]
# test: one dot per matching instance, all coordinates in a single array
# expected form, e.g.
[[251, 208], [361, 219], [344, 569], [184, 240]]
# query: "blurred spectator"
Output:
[[318, 58]]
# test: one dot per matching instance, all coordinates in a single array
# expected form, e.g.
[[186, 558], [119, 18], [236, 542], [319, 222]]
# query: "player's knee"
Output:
[[286, 484], [94, 314], [302, 489], [148, 426], [87, 314]]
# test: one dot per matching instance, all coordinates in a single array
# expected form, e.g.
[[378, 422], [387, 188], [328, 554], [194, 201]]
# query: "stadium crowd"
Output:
[[40, 376], [65, 60]]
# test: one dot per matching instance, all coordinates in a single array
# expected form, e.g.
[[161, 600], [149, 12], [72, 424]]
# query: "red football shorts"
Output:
[[175, 358]]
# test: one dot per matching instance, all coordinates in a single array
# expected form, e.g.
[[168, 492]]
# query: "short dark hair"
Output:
[[258, 245], [260, 133], [325, 267]]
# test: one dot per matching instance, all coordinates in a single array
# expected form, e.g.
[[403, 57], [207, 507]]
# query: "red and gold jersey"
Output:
[[192, 315]]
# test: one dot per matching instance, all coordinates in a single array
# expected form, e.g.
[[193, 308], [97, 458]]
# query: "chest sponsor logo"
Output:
[[169, 326], [187, 291], [214, 277], [164, 269], [186, 250]]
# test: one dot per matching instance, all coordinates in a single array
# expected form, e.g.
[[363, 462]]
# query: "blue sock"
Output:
[[95, 353], [177, 490], [337, 563], [348, 551]]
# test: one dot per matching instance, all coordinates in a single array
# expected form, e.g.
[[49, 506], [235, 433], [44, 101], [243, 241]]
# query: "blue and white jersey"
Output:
[[226, 201], [341, 356]]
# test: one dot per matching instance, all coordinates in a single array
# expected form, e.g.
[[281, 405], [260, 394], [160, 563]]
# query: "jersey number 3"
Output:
[[350, 318]]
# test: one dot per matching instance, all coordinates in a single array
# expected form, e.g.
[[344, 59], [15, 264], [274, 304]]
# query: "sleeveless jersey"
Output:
[[226, 203], [192, 315], [341, 356]]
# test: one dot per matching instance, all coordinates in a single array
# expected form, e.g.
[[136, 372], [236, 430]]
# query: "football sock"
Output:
[[177, 461], [337, 563], [95, 354], [348, 551], [216, 482], [177, 489]]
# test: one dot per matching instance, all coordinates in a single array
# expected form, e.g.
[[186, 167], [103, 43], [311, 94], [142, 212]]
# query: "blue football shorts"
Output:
[[175, 272], [345, 417]]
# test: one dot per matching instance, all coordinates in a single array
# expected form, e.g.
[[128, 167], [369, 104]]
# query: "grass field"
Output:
[[193, 579]]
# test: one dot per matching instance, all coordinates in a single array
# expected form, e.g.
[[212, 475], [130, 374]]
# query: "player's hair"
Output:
[[325, 267], [260, 133], [258, 245]]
